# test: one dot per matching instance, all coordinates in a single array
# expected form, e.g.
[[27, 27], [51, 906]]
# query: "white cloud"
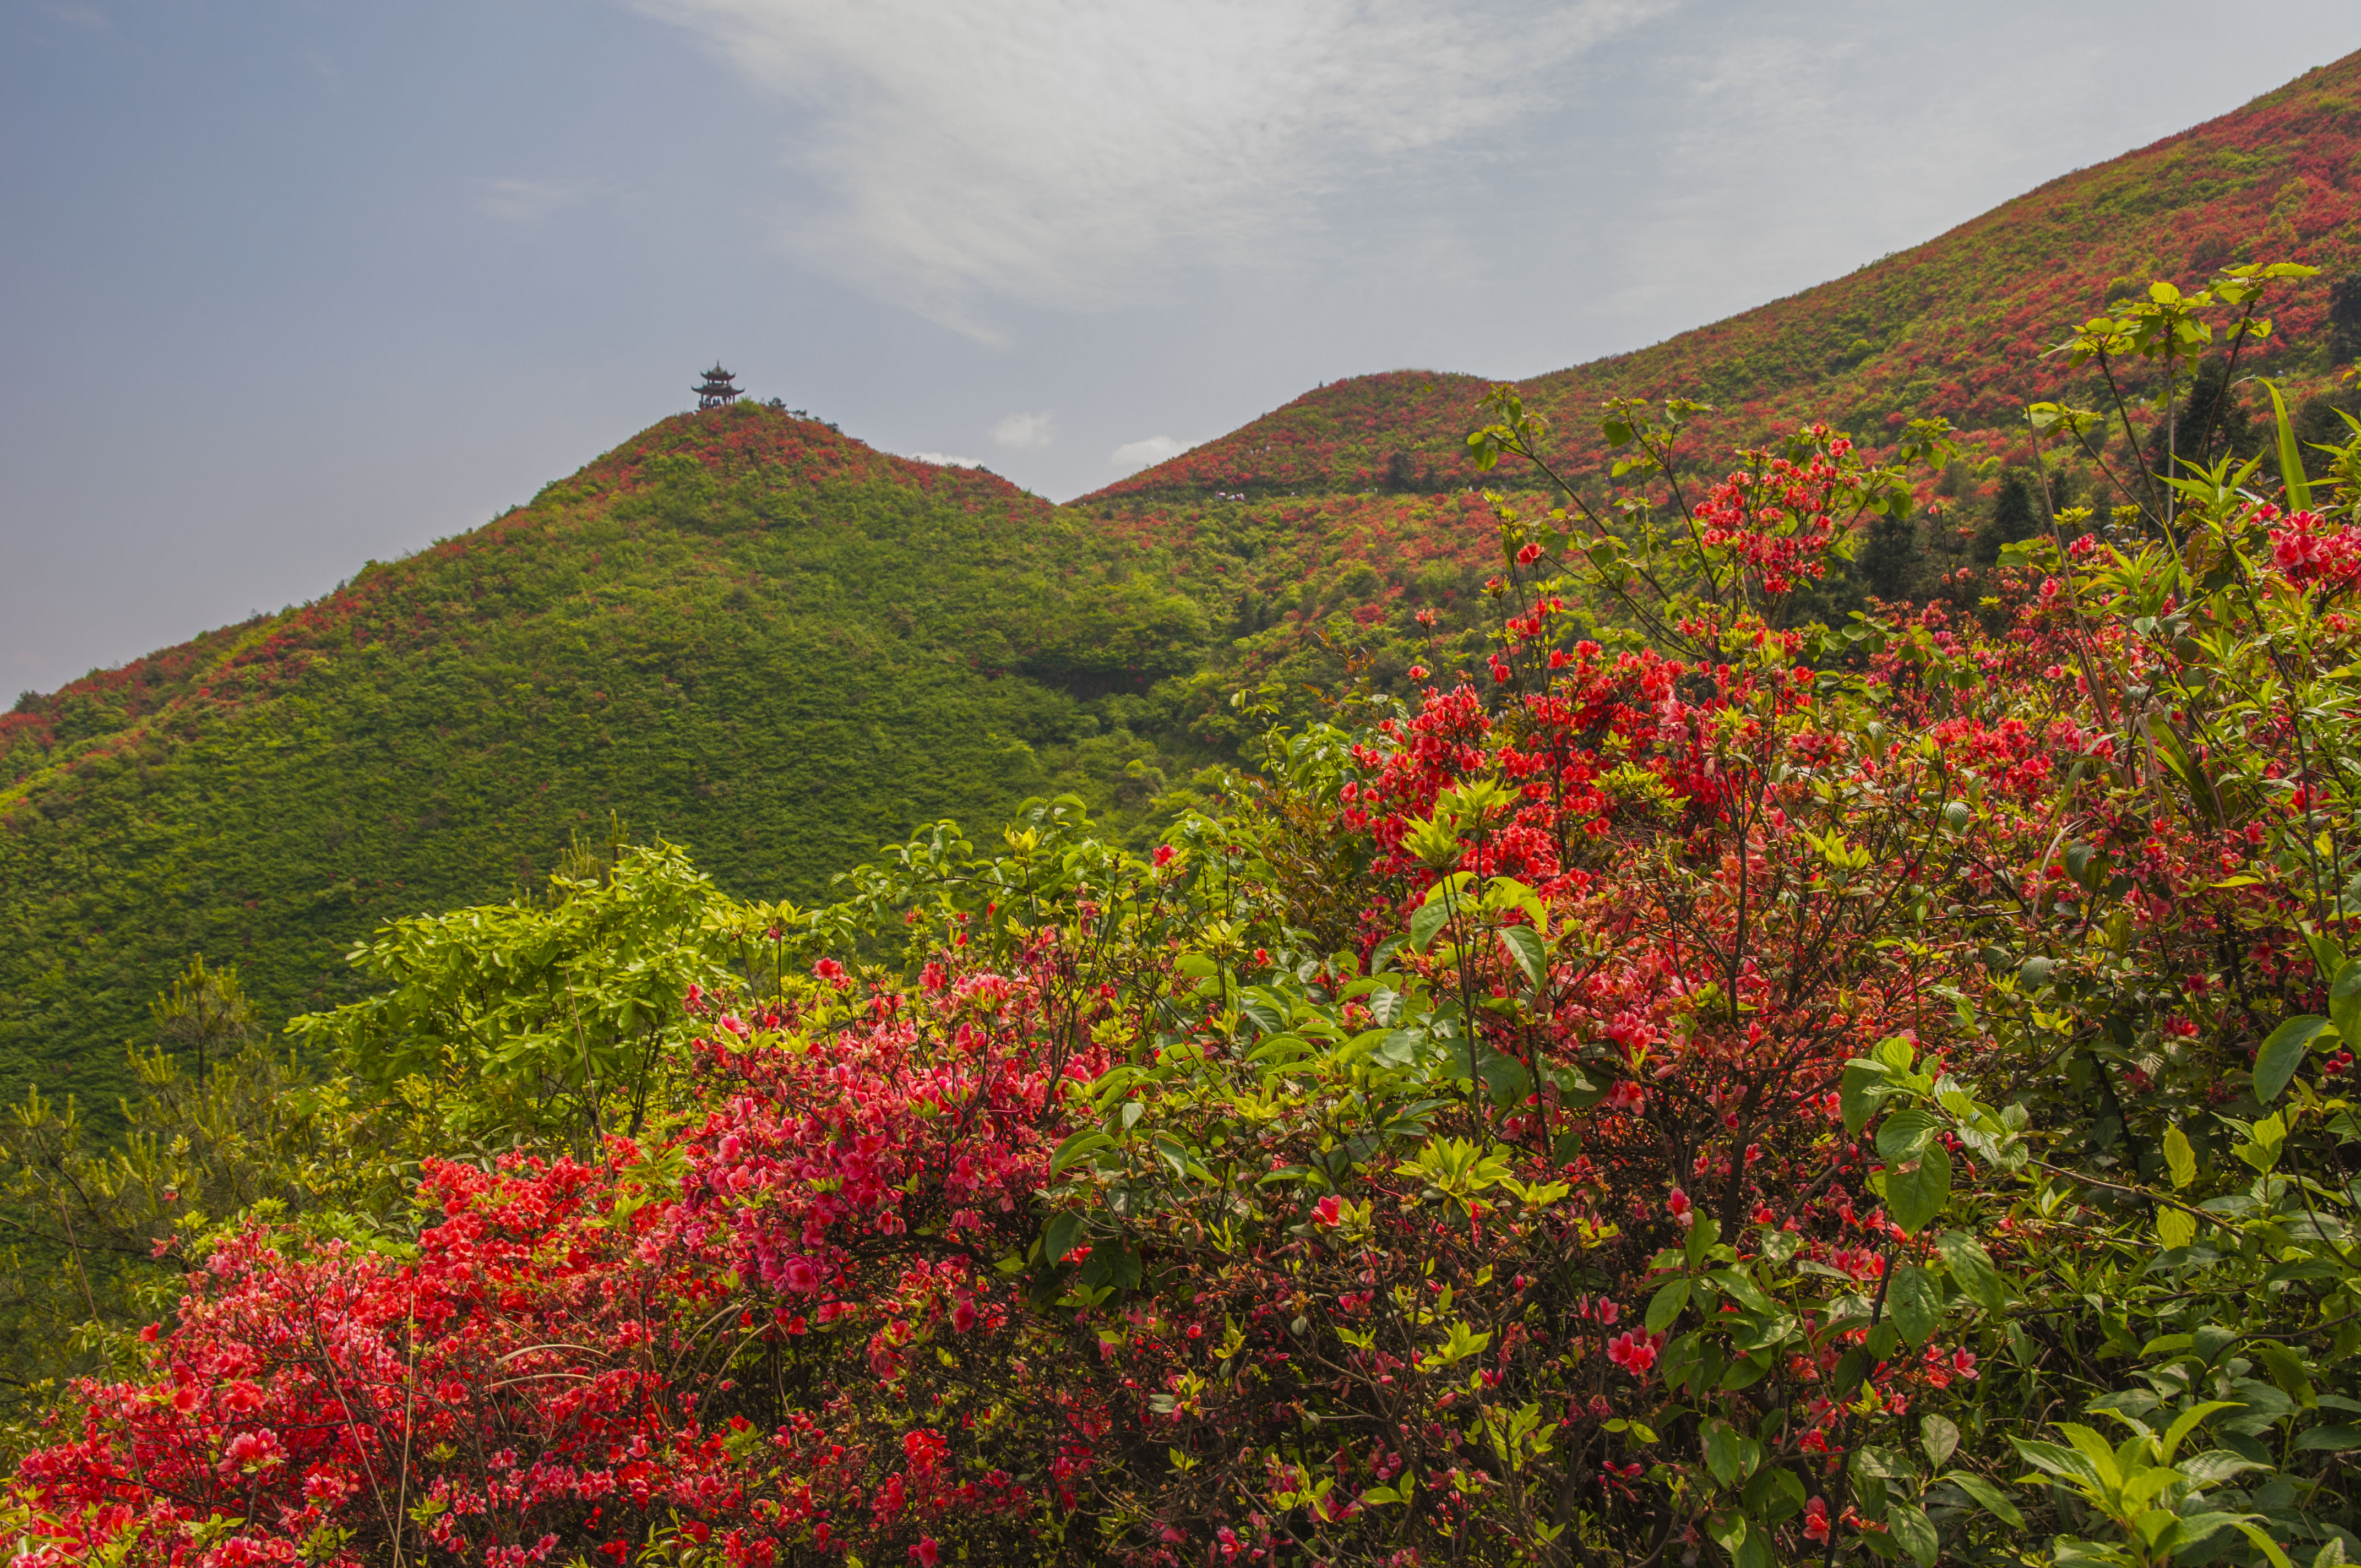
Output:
[[526, 201], [1820, 158], [1145, 454], [945, 460], [1066, 153], [82, 16], [1021, 432]]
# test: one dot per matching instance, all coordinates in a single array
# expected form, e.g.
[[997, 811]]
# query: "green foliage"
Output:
[[543, 1021], [2046, 1051], [99, 1223], [2014, 519], [764, 641]]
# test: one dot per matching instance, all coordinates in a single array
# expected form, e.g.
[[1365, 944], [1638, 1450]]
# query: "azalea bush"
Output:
[[1716, 1086]]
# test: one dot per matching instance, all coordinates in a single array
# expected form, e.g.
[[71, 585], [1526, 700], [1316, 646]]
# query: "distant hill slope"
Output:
[[1942, 328], [739, 629]]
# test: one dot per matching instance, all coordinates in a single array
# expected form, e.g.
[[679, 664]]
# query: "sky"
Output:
[[291, 285]]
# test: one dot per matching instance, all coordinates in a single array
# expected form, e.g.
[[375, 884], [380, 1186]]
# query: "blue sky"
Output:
[[287, 285]]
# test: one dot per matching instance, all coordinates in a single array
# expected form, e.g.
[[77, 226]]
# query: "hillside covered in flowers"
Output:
[[1714, 1082], [770, 642]]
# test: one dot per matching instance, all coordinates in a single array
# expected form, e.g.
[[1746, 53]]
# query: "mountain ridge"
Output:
[[1777, 362]]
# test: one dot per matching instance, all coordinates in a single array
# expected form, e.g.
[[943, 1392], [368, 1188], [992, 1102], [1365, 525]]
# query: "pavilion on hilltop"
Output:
[[717, 390]]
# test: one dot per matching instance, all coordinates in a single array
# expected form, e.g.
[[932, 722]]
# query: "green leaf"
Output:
[[1915, 1303], [1914, 1533], [2059, 1461], [1855, 1092], [2216, 1465], [1078, 1145], [2088, 865], [1747, 1371], [2179, 1157], [1884, 1464], [2265, 1544], [1939, 1437], [1111, 1263], [1524, 944], [1704, 1236], [1725, 1452], [1425, 921], [2286, 1369], [2344, 1000], [2299, 491], [1773, 1495], [1504, 1076], [1916, 1196], [2276, 1063], [1994, 1501], [1972, 1269], [1905, 1132], [1742, 1290], [2336, 1440], [1667, 1305], [1063, 1236]]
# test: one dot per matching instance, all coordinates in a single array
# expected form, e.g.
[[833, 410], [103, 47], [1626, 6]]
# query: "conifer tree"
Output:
[[206, 1011], [2015, 517]]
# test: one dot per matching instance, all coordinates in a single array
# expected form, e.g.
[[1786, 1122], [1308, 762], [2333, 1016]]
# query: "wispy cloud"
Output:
[[1069, 153], [1788, 110], [1145, 454], [1021, 433], [945, 460], [527, 201], [81, 16]]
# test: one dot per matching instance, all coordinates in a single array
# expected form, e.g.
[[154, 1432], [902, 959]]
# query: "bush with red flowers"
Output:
[[1720, 1087]]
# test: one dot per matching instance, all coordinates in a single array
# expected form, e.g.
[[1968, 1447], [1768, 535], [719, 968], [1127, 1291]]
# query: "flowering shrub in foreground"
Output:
[[1726, 1090], [566, 1358]]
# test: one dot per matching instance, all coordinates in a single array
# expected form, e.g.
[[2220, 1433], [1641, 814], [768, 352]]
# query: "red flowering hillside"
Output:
[[1722, 1092], [1942, 329]]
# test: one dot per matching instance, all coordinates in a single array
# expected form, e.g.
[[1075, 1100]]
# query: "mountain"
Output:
[[740, 629], [1937, 329], [760, 639]]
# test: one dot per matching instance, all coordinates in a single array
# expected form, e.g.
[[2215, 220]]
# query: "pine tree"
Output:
[[2345, 319], [1888, 563], [206, 1011], [2015, 517]]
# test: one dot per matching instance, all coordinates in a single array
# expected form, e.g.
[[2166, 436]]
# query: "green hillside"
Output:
[[739, 629]]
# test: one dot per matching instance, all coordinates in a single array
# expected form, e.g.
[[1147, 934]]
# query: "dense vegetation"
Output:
[[1718, 1084], [1732, 1007], [741, 629], [799, 650]]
